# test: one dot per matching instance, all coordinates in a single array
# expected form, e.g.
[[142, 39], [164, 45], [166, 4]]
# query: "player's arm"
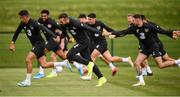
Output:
[[123, 33], [169, 33], [66, 35], [86, 27], [15, 36], [107, 28], [43, 28]]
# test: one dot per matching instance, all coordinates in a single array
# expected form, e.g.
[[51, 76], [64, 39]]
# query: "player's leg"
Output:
[[61, 54], [110, 64], [103, 59], [100, 49], [53, 57], [167, 62], [53, 72], [29, 60], [108, 56], [166, 57], [36, 52], [163, 64], [72, 56], [140, 58], [40, 74], [95, 53], [102, 80]]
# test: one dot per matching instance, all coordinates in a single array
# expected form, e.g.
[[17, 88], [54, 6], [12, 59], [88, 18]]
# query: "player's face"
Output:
[[138, 22], [24, 19], [44, 16], [91, 20], [83, 20], [63, 21], [130, 20]]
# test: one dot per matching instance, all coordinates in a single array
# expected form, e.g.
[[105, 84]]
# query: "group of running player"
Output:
[[90, 36]]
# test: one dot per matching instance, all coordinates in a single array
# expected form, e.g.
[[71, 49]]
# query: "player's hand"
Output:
[[59, 32], [71, 40], [12, 47], [57, 39], [112, 36], [176, 34], [105, 32]]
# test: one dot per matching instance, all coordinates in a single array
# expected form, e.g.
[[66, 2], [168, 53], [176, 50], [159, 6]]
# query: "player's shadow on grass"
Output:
[[0, 90]]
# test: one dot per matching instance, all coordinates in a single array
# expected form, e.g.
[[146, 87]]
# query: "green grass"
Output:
[[113, 12], [163, 83]]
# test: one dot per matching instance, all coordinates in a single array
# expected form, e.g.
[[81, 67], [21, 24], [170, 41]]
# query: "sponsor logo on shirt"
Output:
[[31, 27], [96, 34], [49, 25], [73, 32]]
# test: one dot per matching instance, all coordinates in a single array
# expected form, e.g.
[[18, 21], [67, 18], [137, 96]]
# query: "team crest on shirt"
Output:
[[49, 25], [73, 32], [137, 30], [146, 30], [24, 27], [97, 46], [98, 27], [157, 26], [96, 34], [31, 27]]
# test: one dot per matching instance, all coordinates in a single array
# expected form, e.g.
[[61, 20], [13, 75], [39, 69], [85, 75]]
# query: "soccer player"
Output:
[[32, 29], [147, 35], [146, 70], [51, 45], [78, 31], [101, 44], [84, 19]]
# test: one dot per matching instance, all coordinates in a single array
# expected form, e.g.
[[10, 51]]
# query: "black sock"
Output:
[[97, 71]]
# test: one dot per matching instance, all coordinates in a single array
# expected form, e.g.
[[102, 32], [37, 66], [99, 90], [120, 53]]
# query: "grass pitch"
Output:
[[162, 83]]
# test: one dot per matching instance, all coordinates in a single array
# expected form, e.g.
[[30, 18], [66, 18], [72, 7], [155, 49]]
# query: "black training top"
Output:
[[97, 37], [147, 34], [32, 30], [79, 30], [53, 26]]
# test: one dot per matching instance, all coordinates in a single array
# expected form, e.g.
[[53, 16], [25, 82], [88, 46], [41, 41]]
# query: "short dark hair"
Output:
[[92, 15], [63, 15], [130, 15], [45, 11], [143, 17], [82, 15], [23, 13], [139, 16]]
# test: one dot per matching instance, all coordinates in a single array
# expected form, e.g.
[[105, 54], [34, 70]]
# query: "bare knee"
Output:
[[63, 56], [137, 63], [28, 60], [160, 65], [43, 65], [110, 59], [53, 57]]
